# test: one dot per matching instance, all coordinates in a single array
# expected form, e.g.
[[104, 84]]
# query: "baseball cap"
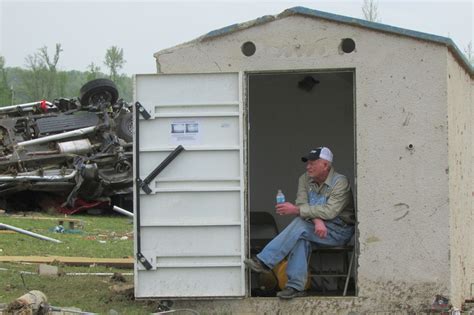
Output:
[[318, 153]]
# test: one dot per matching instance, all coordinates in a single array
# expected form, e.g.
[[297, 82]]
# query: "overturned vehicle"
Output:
[[69, 154]]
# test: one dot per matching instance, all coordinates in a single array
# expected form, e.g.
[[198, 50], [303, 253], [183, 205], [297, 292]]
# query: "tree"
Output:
[[40, 81], [370, 10], [114, 61], [52, 74], [92, 72], [5, 90]]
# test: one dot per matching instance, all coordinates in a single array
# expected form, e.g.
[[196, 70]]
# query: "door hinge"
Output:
[[140, 109], [144, 261]]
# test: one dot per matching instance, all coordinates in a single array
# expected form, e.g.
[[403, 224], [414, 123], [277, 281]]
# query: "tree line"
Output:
[[41, 78]]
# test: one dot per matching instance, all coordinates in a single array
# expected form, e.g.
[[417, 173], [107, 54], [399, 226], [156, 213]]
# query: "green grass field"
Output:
[[99, 237]]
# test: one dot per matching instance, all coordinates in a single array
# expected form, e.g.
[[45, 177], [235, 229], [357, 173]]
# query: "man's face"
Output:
[[318, 169]]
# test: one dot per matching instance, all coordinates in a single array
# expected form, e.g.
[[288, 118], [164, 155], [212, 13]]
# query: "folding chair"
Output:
[[263, 229], [348, 254]]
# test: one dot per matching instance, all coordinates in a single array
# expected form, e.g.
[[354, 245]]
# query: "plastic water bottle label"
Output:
[[280, 198]]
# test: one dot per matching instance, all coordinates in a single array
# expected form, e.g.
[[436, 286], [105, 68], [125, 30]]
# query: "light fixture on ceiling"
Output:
[[307, 83]]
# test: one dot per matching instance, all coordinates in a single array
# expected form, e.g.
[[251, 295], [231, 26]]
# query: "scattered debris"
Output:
[[165, 307], [102, 274], [71, 223], [48, 270], [117, 277], [62, 273], [122, 211], [440, 304], [65, 310], [60, 229], [67, 150], [29, 303], [72, 261], [126, 290], [41, 237], [468, 306], [21, 272]]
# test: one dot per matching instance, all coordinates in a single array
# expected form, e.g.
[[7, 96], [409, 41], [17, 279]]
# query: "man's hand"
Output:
[[287, 208], [320, 228]]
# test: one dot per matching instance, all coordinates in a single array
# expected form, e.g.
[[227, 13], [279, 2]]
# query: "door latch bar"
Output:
[[144, 183]]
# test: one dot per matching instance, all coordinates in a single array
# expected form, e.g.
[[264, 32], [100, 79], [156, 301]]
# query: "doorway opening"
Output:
[[290, 113]]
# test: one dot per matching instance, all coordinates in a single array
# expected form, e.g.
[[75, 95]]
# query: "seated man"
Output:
[[325, 217]]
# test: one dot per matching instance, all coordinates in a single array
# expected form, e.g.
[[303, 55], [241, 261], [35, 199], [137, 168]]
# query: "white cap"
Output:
[[318, 153]]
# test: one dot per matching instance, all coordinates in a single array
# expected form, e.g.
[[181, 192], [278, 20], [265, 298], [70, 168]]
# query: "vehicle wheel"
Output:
[[125, 127], [98, 90]]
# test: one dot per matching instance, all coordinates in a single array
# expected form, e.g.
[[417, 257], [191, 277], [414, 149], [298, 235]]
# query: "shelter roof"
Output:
[[302, 11]]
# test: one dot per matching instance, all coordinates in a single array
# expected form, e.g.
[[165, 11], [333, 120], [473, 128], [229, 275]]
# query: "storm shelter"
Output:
[[247, 100], [290, 113]]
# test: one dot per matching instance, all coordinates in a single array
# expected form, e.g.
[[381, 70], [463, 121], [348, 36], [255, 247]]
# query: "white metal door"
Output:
[[192, 223]]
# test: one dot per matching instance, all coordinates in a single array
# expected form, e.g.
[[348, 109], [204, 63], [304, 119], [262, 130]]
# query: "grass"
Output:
[[101, 237]]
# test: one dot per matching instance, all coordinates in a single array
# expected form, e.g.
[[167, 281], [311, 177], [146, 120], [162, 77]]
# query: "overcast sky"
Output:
[[86, 29]]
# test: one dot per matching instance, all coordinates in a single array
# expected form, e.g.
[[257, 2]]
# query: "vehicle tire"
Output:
[[125, 127], [98, 90]]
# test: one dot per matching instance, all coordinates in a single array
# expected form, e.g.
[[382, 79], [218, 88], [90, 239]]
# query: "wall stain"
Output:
[[402, 204], [407, 119], [404, 215], [372, 239], [218, 66]]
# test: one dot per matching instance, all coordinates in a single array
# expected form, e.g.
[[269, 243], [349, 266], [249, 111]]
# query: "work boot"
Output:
[[289, 293], [256, 265]]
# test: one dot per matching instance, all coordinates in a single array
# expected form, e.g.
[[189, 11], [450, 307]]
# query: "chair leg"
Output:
[[349, 271]]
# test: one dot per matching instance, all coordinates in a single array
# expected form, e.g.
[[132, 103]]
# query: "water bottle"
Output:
[[312, 196], [280, 198]]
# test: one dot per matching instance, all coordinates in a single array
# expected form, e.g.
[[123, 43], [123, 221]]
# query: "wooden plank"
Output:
[[71, 261], [7, 232], [72, 222], [43, 218]]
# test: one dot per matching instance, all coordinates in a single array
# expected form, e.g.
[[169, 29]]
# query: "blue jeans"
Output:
[[295, 242]]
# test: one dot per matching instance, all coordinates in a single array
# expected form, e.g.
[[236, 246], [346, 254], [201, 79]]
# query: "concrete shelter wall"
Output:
[[401, 143], [461, 188]]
